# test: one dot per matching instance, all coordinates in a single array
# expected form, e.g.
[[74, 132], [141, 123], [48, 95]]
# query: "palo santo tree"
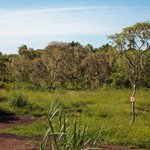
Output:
[[132, 42]]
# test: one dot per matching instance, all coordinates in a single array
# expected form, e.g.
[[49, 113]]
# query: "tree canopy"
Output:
[[123, 64]]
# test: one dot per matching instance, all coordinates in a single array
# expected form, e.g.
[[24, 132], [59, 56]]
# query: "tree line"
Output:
[[82, 67]]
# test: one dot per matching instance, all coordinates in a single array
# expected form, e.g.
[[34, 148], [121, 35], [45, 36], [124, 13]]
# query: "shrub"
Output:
[[18, 99]]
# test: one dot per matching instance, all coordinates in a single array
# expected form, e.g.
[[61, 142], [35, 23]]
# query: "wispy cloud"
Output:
[[79, 20], [65, 9], [51, 22], [32, 25]]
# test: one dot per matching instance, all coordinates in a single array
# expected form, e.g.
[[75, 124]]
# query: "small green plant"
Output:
[[18, 99], [64, 132], [32, 142]]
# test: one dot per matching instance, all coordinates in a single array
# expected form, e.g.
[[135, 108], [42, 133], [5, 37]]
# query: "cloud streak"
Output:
[[91, 20], [33, 25], [66, 9], [50, 22]]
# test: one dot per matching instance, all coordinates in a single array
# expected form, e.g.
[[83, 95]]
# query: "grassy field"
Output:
[[106, 109]]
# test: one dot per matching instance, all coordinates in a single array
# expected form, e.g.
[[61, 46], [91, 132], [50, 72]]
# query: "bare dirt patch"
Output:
[[13, 142], [12, 120]]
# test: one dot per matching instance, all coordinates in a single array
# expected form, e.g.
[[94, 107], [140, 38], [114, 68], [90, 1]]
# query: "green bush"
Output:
[[18, 99]]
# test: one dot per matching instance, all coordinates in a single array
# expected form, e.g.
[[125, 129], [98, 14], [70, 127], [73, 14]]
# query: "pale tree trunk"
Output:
[[133, 104], [135, 85]]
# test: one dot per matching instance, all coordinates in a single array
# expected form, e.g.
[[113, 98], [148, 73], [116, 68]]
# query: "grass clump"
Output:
[[65, 132], [18, 99]]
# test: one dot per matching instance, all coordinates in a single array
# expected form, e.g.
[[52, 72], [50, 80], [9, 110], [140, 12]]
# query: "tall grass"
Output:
[[65, 132]]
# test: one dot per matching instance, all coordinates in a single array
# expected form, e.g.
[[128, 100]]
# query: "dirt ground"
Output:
[[14, 142]]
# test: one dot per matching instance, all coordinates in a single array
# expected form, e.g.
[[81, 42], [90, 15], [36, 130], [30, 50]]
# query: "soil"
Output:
[[14, 142], [12, 120]]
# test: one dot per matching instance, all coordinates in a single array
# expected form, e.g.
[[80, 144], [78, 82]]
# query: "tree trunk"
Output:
[[133, 104]]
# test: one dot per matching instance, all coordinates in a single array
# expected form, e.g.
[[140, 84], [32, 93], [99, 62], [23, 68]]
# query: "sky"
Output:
[[36, 23]]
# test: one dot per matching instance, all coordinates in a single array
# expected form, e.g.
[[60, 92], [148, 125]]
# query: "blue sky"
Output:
[[38, 22]]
